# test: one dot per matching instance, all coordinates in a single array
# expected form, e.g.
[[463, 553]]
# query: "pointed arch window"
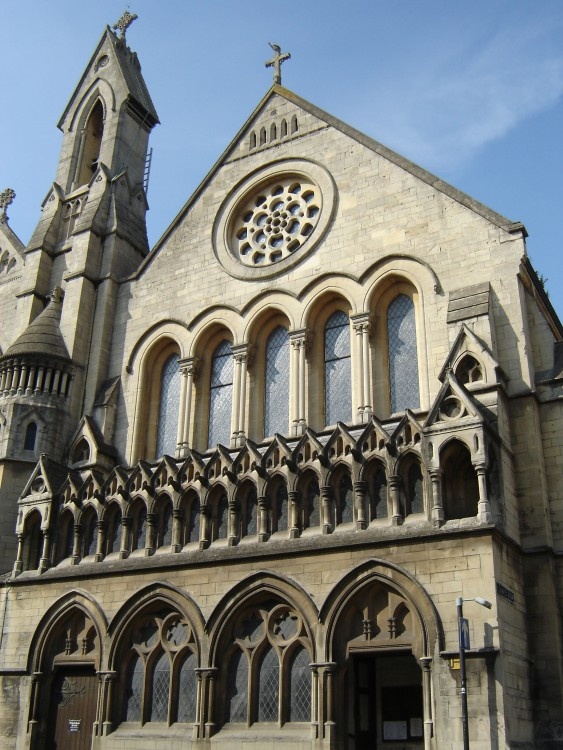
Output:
[[237, 688], [403, 355], [134, 690], [280, 508], [91, 144], [168, 407], [300, 690], [276, 384], [345, 499], [221, 395], [338, 396], [160, 689], [187, 689]]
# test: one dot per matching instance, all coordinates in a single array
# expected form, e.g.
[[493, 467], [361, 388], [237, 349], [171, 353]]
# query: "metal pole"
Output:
[[463, 677]]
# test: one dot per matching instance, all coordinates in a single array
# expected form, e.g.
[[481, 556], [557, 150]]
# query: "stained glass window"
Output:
[[187, 689], [134, 690], [251, 513], [403, 357], [237, 688], [276, 384], [139, 529], [280, 508], [166, 525], [160, 689], [221, 395], [222, 517], [114, 532], [90, 541], [300, 690], [345, 499], [378, 496], [269, 686], [414, 481], [338, 396], [192, 522], [312, 504], [168, 407]]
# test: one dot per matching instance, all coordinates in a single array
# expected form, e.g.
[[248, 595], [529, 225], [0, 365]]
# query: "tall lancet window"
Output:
[[91, 145], [168, 407], [338, 396], [403, 358], [276, 386], [221, 395]]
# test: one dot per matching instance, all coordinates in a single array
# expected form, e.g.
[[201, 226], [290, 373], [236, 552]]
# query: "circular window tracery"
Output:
[[274, 218], [276, 222]]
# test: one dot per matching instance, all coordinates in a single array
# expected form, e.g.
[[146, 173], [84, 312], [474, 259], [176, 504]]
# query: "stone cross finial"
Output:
[[6, 197], [276, 61], [124, 22]]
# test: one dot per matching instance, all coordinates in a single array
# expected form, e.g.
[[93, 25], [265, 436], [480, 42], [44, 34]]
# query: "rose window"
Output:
[[274, 223]]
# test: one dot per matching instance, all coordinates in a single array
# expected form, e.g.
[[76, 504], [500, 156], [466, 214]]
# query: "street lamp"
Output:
[[463, 635]]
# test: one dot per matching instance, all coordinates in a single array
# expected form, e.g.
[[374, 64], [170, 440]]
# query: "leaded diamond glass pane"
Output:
[[168, 407], [338, 394], [280, 508], [237, 689], [403, 358], [187, 689], [313, 502], [251, 513], [416, 500], [378, 496], [134, 690], [300, 691], [276, 386], [166, 527], [269, 687], [160, 689], [346, 499], [222, 517], [221, 395]]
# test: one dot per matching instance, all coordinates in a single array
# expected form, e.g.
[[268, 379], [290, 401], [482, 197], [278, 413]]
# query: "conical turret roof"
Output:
[[43, 335]]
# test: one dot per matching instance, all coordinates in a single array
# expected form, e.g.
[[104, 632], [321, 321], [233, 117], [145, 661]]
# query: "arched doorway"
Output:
[[381, 633]]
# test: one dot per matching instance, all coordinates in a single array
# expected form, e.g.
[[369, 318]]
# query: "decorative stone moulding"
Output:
[[274, 219]]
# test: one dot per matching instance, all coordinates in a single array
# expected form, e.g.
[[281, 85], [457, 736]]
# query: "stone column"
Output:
[[18, 564], [177, 519], [299, 343], [294, 499], [35, 704], [101, 526], [316, 708], [395, 493], [426, 663], [126, 523], [77, 544], [484, 506], [103, 724], [204, 539], [363, 324], [233, 523], [150, 541], [437, 503], [327, 509], [264, 523], [205, 706], [189, 371], [360, 503], [242, 356]]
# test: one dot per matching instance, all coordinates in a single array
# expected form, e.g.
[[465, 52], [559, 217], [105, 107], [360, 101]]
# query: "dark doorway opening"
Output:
[[386, 707]]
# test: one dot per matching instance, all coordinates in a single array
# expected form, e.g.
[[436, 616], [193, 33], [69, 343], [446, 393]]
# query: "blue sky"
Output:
[[471, 91]]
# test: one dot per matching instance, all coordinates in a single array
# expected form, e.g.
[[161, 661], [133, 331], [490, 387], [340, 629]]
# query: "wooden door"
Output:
[[364, 703], [73, 709]]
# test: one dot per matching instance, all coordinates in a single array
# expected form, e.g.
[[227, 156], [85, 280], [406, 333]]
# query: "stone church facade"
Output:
[[245, 475]]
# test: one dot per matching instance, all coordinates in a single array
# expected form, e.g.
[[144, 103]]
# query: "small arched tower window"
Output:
[[403, 357], [469, 370], [461, 488], [30, 437], [91, 144], [81, 453]]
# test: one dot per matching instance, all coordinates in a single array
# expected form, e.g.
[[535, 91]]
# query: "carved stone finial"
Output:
[[277, 61], [57, 295], [6, 197], [124, 22]]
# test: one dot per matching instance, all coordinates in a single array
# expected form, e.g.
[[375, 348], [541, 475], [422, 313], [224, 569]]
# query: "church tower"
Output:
[[91, 235]]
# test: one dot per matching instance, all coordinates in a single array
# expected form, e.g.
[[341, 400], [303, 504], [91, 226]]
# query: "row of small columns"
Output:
[[243, 355], [484, 511], [22, 378], [323, 723]]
